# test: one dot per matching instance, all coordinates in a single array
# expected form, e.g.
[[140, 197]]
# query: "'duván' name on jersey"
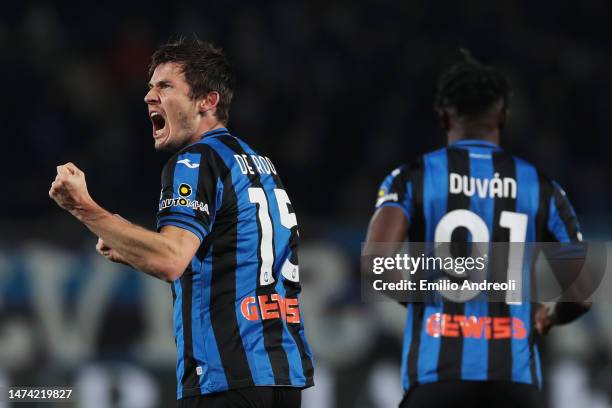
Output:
[[495, 187]]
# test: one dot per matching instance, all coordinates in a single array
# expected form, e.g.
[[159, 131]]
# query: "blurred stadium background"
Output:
[[337, 94]]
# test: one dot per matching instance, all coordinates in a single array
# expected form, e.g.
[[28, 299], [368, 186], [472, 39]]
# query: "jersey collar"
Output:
[[215, 132], [475, 143]]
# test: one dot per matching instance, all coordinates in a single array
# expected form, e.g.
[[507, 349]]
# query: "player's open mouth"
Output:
[[159, 123]]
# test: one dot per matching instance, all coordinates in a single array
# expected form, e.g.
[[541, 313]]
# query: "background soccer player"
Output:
[[442, 371], [227, 241]]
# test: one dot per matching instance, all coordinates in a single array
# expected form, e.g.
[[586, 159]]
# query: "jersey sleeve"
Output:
[[396, 190], [562, 221], [190, 194]]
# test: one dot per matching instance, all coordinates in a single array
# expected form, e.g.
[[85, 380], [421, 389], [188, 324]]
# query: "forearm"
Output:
[[145, 250]]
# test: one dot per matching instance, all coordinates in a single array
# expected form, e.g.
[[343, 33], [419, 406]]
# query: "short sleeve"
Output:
[[189, 194], [396, 190], [562, 221]]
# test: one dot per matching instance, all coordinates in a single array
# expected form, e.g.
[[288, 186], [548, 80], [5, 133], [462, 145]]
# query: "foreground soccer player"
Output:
[[441, 370], [226, 239]]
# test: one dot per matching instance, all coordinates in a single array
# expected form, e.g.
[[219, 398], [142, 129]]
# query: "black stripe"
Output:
[[223, 289], [272, 328], [418, 310], [398, 185], [451, 348], [542, 232], [500, 350], [416, 231], [564, 210], [207, 183], [190, 377]]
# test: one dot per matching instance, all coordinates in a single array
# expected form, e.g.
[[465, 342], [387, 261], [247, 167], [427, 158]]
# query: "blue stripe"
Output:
[[178, 333], [247, 264], [406, 346], [475, 360], [215, 372], [435, 196], [197, 331], [435, 190], [527, 202], [475, 143], [408, 200], [555, 223]]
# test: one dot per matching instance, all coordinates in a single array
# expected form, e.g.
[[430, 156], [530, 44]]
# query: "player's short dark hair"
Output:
[[205, 67], [471, 87]]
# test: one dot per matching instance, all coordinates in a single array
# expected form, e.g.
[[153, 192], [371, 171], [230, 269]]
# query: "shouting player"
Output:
[[226, 240], [444, 370]]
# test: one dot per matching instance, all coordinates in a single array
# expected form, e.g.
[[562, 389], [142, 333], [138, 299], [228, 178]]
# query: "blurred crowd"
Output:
[[336, 93]]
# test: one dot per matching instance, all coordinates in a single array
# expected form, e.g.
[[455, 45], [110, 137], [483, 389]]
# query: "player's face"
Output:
[[173, 113]]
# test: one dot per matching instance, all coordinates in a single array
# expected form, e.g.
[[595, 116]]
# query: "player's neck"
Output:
[[204, 128], [209, 126], [473, 133]]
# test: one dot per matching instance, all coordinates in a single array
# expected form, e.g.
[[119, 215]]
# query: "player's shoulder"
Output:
[[543, 179], [234, 152], [191, 155], [225, 145], [198, 156]]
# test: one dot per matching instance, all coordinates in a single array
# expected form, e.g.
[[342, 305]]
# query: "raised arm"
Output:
[[163, 254]]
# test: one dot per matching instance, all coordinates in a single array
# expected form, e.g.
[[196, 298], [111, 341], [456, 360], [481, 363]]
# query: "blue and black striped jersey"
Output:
[[473, 179], [237, 320]]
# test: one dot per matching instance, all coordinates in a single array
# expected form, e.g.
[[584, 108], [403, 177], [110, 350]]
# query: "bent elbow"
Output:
[[169, 270]]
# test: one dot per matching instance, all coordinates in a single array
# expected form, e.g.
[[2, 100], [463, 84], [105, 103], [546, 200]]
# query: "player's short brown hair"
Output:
[[205, 68]]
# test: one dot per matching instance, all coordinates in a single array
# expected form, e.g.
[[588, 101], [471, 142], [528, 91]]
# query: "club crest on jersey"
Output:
[[184, 191]]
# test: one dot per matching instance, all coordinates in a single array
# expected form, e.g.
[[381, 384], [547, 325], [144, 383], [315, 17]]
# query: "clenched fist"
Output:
[[69, 189]]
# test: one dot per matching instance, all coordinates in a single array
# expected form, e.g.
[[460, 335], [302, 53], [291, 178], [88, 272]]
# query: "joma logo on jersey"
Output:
[[270, 307], [484, 188], [477, 327]]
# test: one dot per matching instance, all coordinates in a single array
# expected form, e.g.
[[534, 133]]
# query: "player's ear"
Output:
[[209, 102]]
